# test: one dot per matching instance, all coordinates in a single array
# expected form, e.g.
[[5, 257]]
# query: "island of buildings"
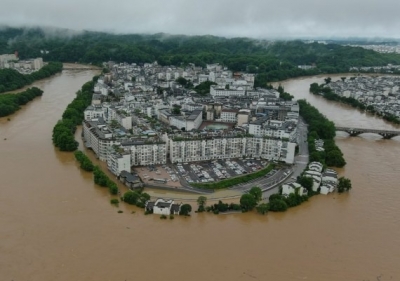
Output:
[[142, 118], [381, 93]]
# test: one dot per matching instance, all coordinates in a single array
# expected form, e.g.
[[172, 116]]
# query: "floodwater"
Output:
[[56, 225]]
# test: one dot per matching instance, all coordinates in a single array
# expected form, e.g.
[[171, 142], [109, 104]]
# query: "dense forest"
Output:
[[272, 61], [11, 79], [10, 103]]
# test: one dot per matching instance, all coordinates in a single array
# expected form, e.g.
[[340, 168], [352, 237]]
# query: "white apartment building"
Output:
[[37, 63], [214, 91], [189, 150], [189, 122], [146, 153], [98, 137], [117, 162], [273, 129], [192, 106], [229, 115], [101, 88], [93, 112]]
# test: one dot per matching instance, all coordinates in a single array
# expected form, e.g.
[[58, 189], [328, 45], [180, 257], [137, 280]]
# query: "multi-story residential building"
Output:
[[184, 122], [98, 137], [229, 115], [37, 63], [218, 91], [118, 162], [192, 106], [243, 117], [93, 112], [146, 152], [273, 128], [229, 146]]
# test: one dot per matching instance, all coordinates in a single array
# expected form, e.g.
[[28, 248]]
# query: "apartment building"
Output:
[[98, 137], [144, 153], [229, 115], [118, 162], [218, 91], [211, 148], [273, 128]]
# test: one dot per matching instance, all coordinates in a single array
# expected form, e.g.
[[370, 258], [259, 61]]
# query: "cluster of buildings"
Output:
[[390, 68], [323, 181], [22, 66], [383, 93], [142, 115], [380, 48]]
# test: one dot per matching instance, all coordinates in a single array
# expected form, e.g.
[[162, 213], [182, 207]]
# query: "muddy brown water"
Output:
[[56, 225]]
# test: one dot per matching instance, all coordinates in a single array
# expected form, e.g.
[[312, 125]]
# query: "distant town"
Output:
[[12, 61]]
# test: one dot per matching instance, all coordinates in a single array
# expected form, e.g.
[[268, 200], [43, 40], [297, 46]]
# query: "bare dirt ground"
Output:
[[147, 176]]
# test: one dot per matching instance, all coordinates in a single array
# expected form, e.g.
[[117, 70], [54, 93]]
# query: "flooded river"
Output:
[[56, 225]]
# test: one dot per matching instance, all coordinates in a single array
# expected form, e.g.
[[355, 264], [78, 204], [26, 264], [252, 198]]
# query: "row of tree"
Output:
[[248, 202], [99, 177], [85, 162], [10, 103], [321, 128], [63, 131], [11, 80]]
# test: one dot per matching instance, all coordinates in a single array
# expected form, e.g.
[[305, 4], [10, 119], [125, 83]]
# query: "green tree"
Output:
[[334, 158], [201, 202], [262, 208], [344, 184], [257, 193], [306, 182], [248, 202], [131, 197], [277, 205], [181, 81], [176, 109], [185, 210]]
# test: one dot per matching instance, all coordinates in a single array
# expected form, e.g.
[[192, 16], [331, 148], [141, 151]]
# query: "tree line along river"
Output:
[[56, 225]]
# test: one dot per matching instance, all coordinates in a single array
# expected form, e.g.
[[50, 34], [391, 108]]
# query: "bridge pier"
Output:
[[353, 133], [388, 136]]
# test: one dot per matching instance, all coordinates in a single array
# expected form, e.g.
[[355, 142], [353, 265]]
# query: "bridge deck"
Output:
[[367, 130]]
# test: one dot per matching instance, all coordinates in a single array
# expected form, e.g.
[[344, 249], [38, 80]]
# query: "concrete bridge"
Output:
[[386, 134]]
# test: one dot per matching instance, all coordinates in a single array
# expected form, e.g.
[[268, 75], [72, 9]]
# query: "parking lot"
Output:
[[210, 171]]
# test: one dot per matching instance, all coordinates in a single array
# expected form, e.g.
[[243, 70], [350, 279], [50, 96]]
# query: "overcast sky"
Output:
[[250, 18]]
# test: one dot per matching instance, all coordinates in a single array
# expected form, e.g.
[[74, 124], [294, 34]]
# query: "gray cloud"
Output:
[[251, 18]]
